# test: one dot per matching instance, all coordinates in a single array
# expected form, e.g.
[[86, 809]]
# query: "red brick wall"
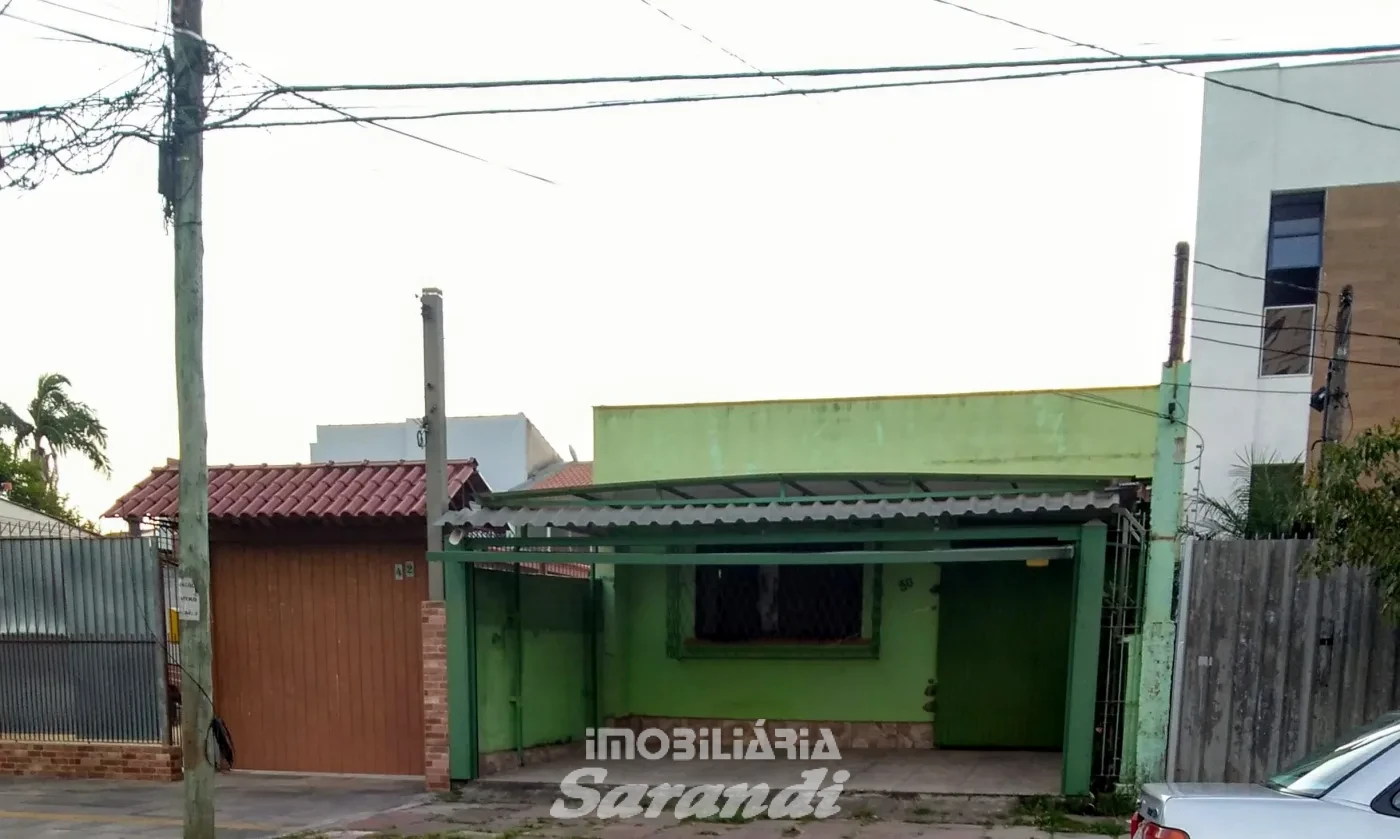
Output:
[[90, 760], [435, 742]]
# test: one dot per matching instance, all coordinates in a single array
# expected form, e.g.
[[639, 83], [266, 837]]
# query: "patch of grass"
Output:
[[922, 811], [709, 832], [1066, 815], [792, 830], [864, 815]]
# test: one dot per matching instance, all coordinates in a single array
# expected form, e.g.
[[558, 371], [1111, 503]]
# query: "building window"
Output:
[[1290, 291], [736, 604], [1287, 341]]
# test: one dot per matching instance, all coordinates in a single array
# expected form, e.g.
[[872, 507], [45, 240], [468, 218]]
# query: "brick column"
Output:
[[435, 742]]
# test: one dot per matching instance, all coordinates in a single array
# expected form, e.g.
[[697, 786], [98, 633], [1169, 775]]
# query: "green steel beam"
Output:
[[667, 538], [1008, 554], [461, 722], [1081, 693]]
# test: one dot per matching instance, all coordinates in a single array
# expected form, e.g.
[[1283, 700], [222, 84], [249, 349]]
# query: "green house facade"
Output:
[[947, 572]]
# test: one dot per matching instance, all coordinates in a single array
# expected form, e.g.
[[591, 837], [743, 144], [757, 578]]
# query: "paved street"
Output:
[[249, 806]]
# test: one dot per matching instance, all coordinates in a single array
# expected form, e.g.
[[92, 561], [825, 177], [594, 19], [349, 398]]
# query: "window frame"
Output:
[[1278, 200], [680, 625], [1308, 357]]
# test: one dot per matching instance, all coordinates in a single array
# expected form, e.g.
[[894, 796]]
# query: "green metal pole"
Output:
[[594, 606], [461, 683], [1082, 689], [518, 679]]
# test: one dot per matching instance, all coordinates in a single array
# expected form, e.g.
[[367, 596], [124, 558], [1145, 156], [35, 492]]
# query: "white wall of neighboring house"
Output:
[[18, 521], [508, 449], [1252, 147]]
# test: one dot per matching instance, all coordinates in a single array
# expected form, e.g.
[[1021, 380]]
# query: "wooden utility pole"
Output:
[[1335, 403], [188, 58], [434, 430]]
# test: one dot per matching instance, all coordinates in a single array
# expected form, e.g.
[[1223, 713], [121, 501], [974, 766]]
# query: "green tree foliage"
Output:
[[28, 487], [1354, 499], [1267, 502], [56, 424]]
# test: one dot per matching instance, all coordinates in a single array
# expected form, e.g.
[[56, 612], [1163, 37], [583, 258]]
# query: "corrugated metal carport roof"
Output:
[[795, 510]]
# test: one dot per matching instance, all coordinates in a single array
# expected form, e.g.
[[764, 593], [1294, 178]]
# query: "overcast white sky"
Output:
[[975, 237]]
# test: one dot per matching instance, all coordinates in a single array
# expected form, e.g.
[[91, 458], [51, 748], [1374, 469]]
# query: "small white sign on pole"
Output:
[[187, 601]]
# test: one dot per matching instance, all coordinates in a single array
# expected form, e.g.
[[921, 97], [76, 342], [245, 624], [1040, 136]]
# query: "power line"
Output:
[[349, 117], [1106, 402], [98, 16], [1195, 386], [620, 103], [1241, 88], [1143, 60], [706, 38], [1297, 354], [80, 35], [1267, 280], [1316, 328]]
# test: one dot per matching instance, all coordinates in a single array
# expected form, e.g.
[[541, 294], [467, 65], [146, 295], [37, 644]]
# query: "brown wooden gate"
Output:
[[317, 655]]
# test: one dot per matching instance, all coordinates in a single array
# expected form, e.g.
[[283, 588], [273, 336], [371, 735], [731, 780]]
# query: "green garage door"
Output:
[[1003, 654]]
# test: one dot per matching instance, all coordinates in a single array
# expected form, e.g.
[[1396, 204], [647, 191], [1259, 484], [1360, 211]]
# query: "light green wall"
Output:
[[888, 689], [553, 643], [1026, 433]]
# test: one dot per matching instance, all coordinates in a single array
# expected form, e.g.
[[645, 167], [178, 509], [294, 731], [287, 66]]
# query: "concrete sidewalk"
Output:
[[249, 806], [484, 812]]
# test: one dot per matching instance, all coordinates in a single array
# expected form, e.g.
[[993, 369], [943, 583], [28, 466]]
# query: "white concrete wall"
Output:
[[1252, 147], [498, 443]]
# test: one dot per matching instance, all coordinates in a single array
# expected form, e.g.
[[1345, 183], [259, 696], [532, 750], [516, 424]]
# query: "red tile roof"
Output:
[[364, 491], [572, 474]]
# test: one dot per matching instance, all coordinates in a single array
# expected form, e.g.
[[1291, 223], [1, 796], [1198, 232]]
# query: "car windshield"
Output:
[[1315, 775]]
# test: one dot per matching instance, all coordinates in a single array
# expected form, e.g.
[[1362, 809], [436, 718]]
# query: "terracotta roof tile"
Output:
[[572, 474], [305, 491]]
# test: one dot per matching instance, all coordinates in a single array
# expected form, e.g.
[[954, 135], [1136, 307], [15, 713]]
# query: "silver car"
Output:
[[1350, 791]]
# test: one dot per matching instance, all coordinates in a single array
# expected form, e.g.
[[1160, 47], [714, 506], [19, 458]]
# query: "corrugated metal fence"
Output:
[[1272, 662], [82, 640]]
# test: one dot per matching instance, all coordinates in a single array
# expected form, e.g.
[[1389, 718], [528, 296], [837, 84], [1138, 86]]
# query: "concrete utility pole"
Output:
[[1158, 631], [434, 429], [188, 59], [1336, 399], [1176, 350]]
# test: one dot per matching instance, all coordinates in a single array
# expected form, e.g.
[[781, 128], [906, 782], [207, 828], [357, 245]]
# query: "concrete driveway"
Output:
[[248, 806]]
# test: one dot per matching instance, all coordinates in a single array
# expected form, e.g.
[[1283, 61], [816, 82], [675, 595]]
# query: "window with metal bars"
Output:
[[736, 604]]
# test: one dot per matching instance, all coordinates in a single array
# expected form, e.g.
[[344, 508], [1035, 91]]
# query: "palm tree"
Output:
[[1267, 502], [57, 425]]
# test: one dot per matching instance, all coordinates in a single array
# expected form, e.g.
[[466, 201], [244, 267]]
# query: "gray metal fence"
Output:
[[82, 640], [1272, 662]]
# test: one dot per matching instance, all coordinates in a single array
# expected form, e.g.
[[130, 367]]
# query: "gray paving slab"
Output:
[[248, 806]]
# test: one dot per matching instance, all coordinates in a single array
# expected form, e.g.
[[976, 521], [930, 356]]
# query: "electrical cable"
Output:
[[1354, 333], [349, 117], [706, 38], [98, 16], [1297, 354], [619, 103], [1240, 88], [1106, 402], [1150, 60], [85, 37]]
